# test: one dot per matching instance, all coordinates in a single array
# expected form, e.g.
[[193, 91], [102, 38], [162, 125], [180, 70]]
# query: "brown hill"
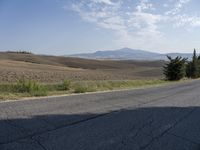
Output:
[[55, 68]]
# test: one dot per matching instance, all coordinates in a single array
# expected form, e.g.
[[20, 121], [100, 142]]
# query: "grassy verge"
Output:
[[28, 88]]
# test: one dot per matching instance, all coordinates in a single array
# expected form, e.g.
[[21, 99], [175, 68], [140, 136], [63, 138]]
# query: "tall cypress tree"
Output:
[[198, 65], [194, 65]]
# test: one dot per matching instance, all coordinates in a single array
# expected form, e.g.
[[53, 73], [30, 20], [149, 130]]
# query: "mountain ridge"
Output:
[[130, 54]]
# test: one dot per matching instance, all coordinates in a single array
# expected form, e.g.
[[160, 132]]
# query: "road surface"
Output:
[[158, 118]]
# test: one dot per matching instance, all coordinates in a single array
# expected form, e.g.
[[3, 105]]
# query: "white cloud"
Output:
[[103, 1], [177, 8], [179, 19], [145, 23], [134, 26], [105, 16], [165, 5], [110, 16], [144, 5], [185, 20]]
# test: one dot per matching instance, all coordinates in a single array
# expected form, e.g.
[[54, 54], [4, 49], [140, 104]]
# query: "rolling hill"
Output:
[[76, 62], [49, 69]]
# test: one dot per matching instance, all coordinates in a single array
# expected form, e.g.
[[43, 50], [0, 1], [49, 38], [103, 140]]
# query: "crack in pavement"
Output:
[[137, 132], [164, 132], [59, 127], [183, 138], [39, 143]]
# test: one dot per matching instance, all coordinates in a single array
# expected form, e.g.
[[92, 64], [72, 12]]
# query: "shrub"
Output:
[[65, 85], [175, 69], [31, 87]]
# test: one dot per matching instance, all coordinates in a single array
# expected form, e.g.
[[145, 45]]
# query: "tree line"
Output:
[[179, 67], [20, 52]]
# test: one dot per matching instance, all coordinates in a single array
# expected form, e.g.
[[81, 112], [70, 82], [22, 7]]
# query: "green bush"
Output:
[[31, 87], [65, 85], [175, 69]]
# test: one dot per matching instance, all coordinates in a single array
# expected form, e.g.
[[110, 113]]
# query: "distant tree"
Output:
[[193, 67], [198, 66], [175, 69], [20, 52]]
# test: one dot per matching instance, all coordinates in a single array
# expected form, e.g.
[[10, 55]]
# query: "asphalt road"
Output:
[[159, 118]]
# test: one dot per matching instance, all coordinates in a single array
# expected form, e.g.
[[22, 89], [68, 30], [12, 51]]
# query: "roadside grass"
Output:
[[29, 88]]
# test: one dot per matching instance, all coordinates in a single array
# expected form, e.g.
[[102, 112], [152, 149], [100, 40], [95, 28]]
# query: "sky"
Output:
[[62, 27]]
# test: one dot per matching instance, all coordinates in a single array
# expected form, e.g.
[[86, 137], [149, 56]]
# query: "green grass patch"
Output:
[[82, 87], [23, 87], [29, 88]]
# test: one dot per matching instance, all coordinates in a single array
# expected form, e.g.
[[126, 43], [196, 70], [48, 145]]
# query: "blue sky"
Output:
[[76, 26]]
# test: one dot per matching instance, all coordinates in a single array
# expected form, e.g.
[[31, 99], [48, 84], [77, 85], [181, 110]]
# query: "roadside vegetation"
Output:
[[29, 88], [179, 68]]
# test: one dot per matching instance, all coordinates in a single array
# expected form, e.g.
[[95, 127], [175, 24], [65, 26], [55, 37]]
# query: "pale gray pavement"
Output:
[[159, 118]]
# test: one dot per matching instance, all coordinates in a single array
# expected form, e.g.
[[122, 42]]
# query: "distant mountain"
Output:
[[127, 54]]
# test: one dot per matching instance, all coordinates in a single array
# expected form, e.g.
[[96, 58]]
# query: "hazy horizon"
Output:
[[90, 52], [63, 27]]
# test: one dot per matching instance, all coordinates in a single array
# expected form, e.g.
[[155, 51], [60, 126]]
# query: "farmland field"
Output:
[[52, 69]]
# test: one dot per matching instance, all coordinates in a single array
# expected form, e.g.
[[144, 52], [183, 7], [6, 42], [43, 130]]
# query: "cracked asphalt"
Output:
[[158, 118]]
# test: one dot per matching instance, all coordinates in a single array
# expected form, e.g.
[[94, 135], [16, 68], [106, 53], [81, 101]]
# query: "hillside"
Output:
[[78, 62], [43, 68]]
